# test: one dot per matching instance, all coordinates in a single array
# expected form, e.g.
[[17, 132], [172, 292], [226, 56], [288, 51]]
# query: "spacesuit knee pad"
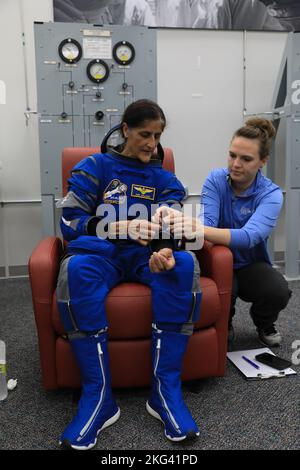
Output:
[[76, 328], [79, 311]]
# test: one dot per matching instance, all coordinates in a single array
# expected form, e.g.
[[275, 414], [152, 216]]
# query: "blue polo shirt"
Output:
[[250, 216]]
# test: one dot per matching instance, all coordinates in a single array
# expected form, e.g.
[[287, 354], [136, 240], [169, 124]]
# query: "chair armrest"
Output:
[[43, 271], [216, 262], [43, 268]]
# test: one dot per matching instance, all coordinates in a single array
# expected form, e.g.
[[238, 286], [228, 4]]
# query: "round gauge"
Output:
[[123, 53], [97, 70], [70, 50]]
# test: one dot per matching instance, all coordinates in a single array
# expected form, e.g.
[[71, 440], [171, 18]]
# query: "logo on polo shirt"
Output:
[[246, 210]]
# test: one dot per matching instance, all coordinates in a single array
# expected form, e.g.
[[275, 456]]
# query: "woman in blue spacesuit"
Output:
[[104, 250]]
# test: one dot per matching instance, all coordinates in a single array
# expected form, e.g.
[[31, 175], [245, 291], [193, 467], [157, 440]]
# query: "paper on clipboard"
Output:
[[264, 372]]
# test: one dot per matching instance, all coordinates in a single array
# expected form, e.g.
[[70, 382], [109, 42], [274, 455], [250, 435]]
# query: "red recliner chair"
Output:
[[129, 314]]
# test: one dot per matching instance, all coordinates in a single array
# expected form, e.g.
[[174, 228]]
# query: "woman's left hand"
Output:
[[186, 227], [181, 226]]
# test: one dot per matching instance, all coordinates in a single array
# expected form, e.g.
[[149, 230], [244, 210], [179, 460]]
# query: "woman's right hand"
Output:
[[161, 261]]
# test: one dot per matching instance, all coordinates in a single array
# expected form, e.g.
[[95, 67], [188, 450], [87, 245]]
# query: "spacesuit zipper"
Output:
[[193, 306], [72, 317], [169, 414], [86, 428]]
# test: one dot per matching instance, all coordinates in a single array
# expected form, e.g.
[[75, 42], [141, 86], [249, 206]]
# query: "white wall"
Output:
[[203, 90], [20, 227], [200, 87]]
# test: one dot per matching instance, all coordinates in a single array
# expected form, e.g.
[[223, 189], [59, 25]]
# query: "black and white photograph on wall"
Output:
[[278, 15]]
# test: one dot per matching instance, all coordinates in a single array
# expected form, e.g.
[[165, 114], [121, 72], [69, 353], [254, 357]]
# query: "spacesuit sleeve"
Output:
[[80, 203], [172, 192]]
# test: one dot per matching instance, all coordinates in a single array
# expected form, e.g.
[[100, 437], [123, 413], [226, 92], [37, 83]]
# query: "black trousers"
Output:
[[263, 286]]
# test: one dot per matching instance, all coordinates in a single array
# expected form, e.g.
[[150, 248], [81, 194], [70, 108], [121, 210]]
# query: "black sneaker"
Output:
[[269, 336]]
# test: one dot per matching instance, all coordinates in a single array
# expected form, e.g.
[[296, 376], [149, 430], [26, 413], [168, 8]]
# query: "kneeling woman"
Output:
[[95, 263], [241, 207]]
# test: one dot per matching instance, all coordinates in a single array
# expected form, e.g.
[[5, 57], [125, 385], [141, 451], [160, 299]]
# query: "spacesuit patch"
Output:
[[115, 192], [143, 192]]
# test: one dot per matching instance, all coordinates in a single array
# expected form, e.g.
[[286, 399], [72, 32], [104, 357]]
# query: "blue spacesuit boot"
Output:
[[96, 409], [166, 401]]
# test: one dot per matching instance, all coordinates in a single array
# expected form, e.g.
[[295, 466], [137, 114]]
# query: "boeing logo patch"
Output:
[[115, 193], [143, 192]]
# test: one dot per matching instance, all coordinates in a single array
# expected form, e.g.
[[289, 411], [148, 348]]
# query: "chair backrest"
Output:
[[72, 155]]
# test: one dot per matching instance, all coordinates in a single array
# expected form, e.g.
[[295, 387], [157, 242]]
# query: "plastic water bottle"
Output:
[[3, 383]]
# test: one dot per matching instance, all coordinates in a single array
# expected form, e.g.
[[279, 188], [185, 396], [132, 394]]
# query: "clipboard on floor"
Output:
[[262, 372]]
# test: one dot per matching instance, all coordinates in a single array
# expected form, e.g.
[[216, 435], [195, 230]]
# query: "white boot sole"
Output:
[[107, 423], [153, 413]]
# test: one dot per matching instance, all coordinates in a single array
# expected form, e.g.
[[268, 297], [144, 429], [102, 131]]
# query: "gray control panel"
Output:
[[86, 76]]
